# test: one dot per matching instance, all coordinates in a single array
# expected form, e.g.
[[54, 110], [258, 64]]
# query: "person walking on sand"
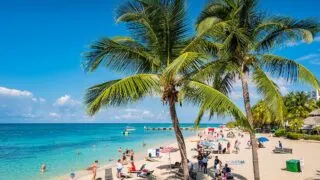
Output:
[[228, 147], [93, 168], [205, 160]]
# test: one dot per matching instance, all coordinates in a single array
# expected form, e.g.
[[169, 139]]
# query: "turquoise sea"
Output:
[[65, 148]]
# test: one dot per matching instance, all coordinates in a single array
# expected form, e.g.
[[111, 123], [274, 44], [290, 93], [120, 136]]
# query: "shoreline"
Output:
[[83, 174], [268, 161]]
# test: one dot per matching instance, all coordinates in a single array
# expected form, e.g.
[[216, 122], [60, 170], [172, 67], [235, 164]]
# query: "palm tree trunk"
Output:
[[246, 98], [180, 139]]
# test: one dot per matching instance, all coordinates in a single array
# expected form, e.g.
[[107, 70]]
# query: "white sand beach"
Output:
[[271, 164]]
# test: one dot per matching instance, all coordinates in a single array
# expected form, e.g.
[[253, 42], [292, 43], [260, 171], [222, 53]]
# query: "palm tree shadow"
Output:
[[239, 176]]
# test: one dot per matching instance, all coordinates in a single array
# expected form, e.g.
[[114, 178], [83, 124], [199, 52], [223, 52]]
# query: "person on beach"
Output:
[[200, 157], [132, 168], [260, 145], [280, 145], [94, 168], [43, 168], [119, 168], [218, 170], [205, 160], [131, 155], [124, 159], [226, 172], [72, 176], [120, 150], [219, 148], [228, 147], [237, 146], [190, 165], [216, 162]]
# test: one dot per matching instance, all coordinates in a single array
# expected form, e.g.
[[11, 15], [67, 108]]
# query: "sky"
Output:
[[41, 42]]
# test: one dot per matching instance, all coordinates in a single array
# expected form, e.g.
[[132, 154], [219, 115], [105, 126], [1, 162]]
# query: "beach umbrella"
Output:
[[263, 139], [168, 150]]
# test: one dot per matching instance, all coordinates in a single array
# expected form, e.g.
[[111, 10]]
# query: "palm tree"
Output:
[[245, 37], [262, 114], [298, 105], [158, 59]]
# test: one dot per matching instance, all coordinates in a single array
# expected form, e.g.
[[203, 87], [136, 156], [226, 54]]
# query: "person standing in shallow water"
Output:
[[43, 168]]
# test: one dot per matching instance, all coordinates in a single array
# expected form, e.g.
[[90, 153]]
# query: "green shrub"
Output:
[[231, 124], [311, 137], [295, 136], [280, 132]]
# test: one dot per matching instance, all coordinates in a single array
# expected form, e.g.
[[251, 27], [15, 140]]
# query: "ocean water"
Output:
[[65, 148]]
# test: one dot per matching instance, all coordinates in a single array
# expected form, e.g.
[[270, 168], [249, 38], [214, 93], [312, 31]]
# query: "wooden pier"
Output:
[[166, 128]]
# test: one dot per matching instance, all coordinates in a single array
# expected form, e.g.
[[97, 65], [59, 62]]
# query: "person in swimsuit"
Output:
[[94, 168], [43, 168]]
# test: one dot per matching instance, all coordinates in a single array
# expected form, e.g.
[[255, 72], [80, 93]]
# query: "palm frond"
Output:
[[211, 99], [288, 69], [270, 92], [218, 9], [278, 30], [120, 54], [186, 63], [121, 91]]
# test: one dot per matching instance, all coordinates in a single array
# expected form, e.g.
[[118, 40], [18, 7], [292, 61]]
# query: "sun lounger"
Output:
[[138, 171], [282, 150], [108, 174], [151, 159], [145, 174]]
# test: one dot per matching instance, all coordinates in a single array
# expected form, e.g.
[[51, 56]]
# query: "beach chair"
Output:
[[108, 174], [282, 150], [140, 170]]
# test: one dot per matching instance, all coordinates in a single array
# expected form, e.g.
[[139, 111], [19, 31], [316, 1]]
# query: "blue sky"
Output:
[[40, 52]]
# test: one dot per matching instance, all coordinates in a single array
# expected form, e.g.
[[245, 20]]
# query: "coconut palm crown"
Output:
[[245, 37], [158, 58]]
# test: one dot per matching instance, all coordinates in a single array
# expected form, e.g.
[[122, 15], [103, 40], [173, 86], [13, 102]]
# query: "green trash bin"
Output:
[[293, 165]]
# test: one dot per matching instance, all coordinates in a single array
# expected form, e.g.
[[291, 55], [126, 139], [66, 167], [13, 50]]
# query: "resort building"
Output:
[[315, 94]]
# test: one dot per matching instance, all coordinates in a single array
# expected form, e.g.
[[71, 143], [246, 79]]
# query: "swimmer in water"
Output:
[[43, 168]]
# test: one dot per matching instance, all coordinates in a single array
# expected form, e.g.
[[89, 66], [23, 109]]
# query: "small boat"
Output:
[[129, 128]]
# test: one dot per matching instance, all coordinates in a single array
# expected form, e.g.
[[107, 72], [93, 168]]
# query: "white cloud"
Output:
[[42, 100], [236, 95], [14, 92], [131, 110], [133, 114], [297, 43], [66, 100], [282, 84], [308, 57], [54, 115], [313, 58]]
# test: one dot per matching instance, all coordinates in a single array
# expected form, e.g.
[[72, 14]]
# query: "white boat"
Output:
[[129, 128]]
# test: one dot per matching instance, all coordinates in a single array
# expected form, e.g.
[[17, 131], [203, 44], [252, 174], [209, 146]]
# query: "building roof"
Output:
[[312, 120], [315, 113]]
